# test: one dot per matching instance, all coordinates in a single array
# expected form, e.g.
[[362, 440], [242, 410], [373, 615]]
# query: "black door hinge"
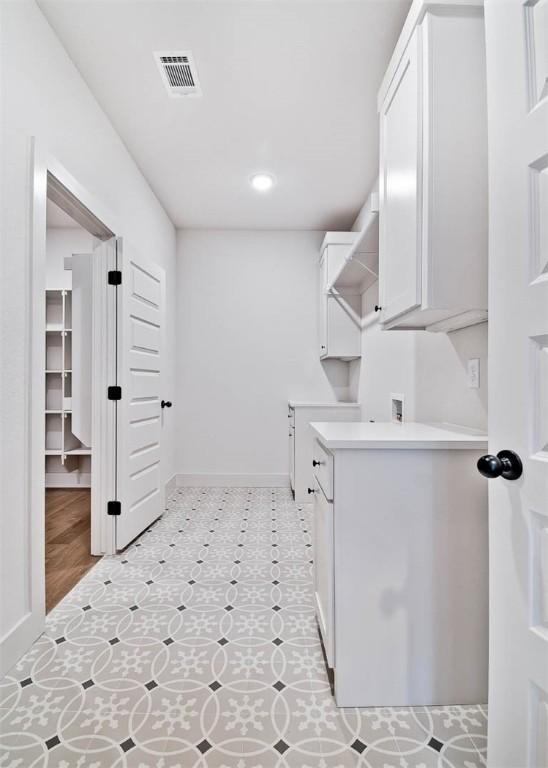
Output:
[[114, 508], [115, 277], [114, 393]]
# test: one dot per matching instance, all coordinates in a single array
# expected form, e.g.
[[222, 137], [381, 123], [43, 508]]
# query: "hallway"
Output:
[[197, 648]]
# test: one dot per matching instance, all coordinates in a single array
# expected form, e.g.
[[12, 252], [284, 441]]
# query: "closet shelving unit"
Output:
[[68, 461], [360, 267]]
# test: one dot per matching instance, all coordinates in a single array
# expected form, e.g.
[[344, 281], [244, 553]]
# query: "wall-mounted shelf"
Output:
[[338, 314], [67, 460], [360, 267]]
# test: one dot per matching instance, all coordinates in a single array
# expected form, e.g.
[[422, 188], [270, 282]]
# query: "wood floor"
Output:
[[68, 528]]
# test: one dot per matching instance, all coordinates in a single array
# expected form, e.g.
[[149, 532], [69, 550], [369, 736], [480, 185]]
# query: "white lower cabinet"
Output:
[[324, 570], [401, 566], [300, 414], [291, 446]]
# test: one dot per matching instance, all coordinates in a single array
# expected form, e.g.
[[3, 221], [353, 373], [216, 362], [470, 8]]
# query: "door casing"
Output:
[[103, 541]]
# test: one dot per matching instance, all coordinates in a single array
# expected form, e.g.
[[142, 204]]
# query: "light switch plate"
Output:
[[474, 373]]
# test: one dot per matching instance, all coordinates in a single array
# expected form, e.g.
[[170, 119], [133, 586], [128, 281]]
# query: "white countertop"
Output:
[[359, 435], [336, 404]]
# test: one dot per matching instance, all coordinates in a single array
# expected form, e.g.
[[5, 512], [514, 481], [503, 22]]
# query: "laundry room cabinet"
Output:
[[338, 310], [300, 414], [433, 172], [401, 562]]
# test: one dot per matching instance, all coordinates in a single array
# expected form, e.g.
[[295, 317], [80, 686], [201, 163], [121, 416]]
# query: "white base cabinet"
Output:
[[300, 439], [401, 566]]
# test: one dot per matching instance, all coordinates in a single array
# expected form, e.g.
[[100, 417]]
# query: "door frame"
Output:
[[104, 430]]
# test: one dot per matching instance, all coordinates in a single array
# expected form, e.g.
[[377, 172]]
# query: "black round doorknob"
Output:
[[506, 464], [316, 463], [166, 403], [377, 308], [310, 490]]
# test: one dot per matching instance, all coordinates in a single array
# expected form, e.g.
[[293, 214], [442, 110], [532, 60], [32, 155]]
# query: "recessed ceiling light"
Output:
[[262, 182]]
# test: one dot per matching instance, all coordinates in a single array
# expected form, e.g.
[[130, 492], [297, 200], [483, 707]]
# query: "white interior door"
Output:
[[140, 313], [517, 78], [82, 344]]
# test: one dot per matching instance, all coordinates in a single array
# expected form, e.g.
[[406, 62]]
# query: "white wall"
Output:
[[43, 95], [60, 243], [442, 390], [246, 343], [429, 369]]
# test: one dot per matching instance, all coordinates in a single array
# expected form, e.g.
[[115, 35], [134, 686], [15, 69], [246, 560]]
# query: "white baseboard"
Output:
[[232, 481], [68, 480], [171, 485], [18, 640]]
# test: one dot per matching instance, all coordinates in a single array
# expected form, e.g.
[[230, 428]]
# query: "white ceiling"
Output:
[[289, 86]]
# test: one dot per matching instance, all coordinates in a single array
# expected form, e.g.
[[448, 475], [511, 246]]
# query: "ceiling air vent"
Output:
[[178, 73]]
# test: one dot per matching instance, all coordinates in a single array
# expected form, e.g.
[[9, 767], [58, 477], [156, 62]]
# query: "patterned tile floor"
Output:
[[197, 648]]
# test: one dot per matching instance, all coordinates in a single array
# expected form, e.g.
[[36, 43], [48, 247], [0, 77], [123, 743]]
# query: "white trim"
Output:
[[232, 481], [20, 637], [18, 640], [81, 193], [103, 414], [170, 486], [68, 480], [103, 418]]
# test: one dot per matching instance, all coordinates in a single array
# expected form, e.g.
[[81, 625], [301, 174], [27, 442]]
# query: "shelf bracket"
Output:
[[366, 268]]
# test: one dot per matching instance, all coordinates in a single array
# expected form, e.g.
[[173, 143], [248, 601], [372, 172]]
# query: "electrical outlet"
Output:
[[398, 403], [474, 373]]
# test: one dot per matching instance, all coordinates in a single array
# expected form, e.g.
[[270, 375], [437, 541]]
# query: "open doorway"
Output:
[[76, 360], [68, 403], [97, 323]]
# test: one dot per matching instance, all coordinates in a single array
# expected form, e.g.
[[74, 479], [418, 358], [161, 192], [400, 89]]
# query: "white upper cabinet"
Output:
[[401, 184], [433, 171], [339, 309]]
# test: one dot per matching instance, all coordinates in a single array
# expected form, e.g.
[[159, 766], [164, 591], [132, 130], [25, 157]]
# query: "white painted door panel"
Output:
[[400, 187], [140, 330], [82, 319], [517, 74]]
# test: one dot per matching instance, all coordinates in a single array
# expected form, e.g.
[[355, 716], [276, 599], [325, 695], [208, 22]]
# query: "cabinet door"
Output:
[[322, 308], [343, 330], [400, 186], [324, 571], [292, 457]]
